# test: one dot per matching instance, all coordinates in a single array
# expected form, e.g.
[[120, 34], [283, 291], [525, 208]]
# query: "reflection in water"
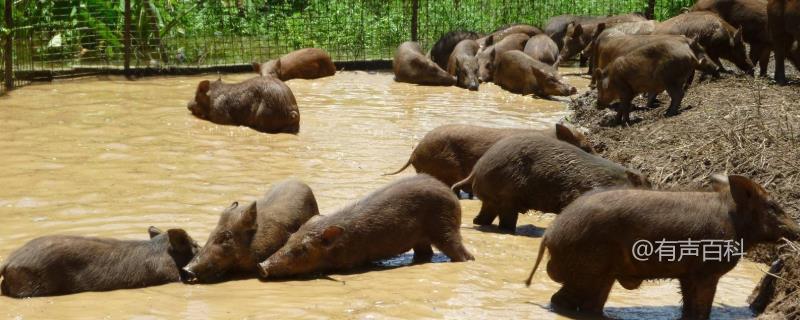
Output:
[[112, 157]]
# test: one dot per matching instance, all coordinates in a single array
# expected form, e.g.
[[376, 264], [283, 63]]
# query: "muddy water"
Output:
[[110, 157]]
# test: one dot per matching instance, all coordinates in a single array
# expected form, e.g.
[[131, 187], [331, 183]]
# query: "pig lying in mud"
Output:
[[410, 213], [247, 235], [720, 39], [449, 152], [58, 265], [443, 48], [487, 59], [592, 240], [517, 72], [265, 104], [534, 171], [542, 48], [652, 68], [308, 63], [410, 65], [463, 64], [578, 36]]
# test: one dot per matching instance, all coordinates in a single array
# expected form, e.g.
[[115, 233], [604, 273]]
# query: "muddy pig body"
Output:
[[443, 48], [412, 66], [249, 234], [578, 36], [652, 68], [602, 32], [411, 213], [519, 73], [58, 265], [591, 241], [487, 59], [463, 64], [783, 20], [265, 104], [308, 63], [720, 39], [449, 152], [556, 27], [751, 17], [534, 171], [541, 47], [507, 30]]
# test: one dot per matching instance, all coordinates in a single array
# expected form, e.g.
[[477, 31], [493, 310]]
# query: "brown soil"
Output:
[[734, 125]]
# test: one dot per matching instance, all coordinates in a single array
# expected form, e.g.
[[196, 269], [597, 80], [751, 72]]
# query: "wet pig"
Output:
[[412, 66], [542, 48], [308, 63], [443, 48], [463, 64], [519, 73], [487, 59]]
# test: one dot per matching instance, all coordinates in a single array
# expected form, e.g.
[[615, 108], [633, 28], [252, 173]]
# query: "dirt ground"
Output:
[[733, 125]]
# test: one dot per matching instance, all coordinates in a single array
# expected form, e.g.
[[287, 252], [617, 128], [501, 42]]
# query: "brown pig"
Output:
[[308, 63], [591, 243], [719, 38], [410, 213], [443, 48], [662, 64], [265, 104], [542, 48], [507, 30], [58, 265], [751, 17], [783, 18], [578, 35], [534, 171], [449, 152], [487, 59], [247, 235], [463, 64], [412, 66], [556, 27], [603, 32], [517, 72]]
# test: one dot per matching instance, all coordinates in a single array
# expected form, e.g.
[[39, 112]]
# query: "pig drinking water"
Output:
[[463, 64], [410, 65]]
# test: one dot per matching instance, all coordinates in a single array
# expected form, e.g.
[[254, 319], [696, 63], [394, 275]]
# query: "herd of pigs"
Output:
[[603, 207]]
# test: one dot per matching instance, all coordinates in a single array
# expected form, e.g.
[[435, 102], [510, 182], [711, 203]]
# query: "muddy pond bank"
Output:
[[110, 157]]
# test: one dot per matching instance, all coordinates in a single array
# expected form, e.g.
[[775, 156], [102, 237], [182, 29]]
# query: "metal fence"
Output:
[[75, 37]]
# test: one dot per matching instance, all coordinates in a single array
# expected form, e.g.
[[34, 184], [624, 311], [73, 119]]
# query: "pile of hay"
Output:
[[735, 125]]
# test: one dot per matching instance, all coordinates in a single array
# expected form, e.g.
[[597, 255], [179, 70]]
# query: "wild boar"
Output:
[[265, 104], [308, 63], [487, 59], [517, 72], [534, 171], [603, 32], [463, 64], [60, 264], [449, 152], [247, 235], [411, 66], [783, 19], [501, 33], [443, 48], [578, 35], [410, 213], [591, 242], [542, 48], [556, 27]]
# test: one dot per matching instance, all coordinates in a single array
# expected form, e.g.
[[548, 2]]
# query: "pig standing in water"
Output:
[[245, 236], [411, 213], [463, 64], [592, 240], [265, 104], [519, 73], [449, 152], [410, 65], [57, 265], [443, 48], [652, 68], [308, 63], [542, 48], [534, 171], [487, 59], [720, 39]]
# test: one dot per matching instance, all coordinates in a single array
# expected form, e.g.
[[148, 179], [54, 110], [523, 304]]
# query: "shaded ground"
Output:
[[733, 125]]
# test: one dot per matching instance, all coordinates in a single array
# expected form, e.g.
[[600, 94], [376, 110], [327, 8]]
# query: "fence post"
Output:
[[7, 57], [650, 12], [126, 37], [414, 20]]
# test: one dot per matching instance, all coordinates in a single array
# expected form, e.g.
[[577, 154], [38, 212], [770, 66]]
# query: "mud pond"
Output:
[[110, 157]]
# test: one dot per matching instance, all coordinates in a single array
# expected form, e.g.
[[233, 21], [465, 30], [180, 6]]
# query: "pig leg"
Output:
[[586, 295], [780, 63], [487, 214], [676, 94], [652, 100], [423, 253], [508, 221], [758, 52], [624, 111], [698, 296], [597, 291], [452, 246], [720, 67]]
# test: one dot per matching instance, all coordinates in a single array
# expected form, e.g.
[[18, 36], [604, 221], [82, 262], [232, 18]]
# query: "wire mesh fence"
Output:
[[74, 37]]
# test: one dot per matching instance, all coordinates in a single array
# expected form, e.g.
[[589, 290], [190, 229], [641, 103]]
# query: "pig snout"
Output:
[[573, 91], [263, 269], [188, 275], [473, 86]]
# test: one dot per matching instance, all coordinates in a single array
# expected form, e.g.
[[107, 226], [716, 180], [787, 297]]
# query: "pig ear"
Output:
[[249, 215], [492, 55], [331, 234], [600, 27], [565, 134], [203, 87], [637, 179], [179, 239], [719, 183], [153, 231], [489, 41], [277, 67], [745, 192], [737, 37], [578, 30], [257, 67]]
